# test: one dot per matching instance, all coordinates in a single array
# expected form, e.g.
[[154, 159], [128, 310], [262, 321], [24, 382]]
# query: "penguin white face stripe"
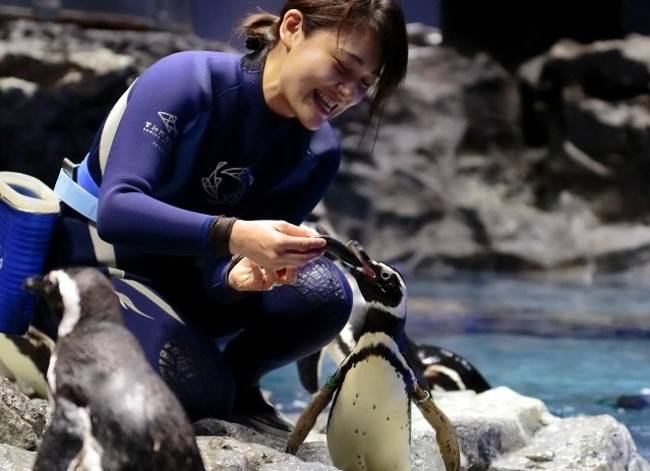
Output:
[[51, 377], [70, 298], [399, 311]]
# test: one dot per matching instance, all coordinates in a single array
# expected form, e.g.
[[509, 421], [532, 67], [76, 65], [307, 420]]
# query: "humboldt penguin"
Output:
[[369, 422], [437, 368], [111, 410], [444, 370]]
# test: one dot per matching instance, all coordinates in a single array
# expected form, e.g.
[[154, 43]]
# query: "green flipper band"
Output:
[[332, 382]]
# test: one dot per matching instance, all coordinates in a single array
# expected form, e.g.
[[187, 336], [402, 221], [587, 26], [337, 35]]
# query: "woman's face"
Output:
[[325, 74]]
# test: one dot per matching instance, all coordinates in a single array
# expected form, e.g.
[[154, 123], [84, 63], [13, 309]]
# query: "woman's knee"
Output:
[[328, 289]]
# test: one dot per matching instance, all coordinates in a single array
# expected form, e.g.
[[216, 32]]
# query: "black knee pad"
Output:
[[194, 369], [189, 362]]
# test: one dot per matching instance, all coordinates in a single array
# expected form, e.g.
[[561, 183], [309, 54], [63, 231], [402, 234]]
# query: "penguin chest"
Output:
[[369, 423]]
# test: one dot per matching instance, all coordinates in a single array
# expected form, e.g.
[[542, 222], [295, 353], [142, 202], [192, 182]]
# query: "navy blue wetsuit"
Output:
[[193, 138]]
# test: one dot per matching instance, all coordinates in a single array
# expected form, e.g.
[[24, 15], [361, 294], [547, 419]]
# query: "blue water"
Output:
[[575, 347], [573, 376]]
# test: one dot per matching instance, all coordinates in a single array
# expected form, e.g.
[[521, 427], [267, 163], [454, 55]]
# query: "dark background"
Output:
[[511, 30], [216, 18]]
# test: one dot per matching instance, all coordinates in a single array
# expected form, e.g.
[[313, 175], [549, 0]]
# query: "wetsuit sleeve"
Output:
[[297, 200], [166, 107], [215, 281]]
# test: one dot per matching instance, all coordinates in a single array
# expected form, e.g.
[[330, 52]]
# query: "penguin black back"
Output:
[[111, 410]]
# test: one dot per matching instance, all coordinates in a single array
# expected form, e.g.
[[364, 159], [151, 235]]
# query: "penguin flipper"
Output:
[[309, 371], [308, 417], [445, 432]]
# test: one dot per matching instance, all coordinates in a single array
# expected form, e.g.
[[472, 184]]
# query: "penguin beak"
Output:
[[351, 254]]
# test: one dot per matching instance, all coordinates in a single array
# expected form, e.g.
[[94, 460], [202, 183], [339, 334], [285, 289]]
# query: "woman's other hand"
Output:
[[246, 275]]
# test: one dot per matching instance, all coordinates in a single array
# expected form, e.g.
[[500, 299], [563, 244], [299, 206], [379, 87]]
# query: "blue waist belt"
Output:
[[80, 195]]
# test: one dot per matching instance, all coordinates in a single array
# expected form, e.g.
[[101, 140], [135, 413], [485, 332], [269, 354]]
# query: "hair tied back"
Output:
[[254, 43]]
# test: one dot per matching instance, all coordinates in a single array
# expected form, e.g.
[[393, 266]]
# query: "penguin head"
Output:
[[75, 295], [385, 289], [379, 283]]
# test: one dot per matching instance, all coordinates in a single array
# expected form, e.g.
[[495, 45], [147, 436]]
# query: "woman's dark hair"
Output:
[[384, 17]]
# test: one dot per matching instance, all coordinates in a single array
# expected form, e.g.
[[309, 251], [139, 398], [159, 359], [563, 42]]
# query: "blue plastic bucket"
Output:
[[28, 209]]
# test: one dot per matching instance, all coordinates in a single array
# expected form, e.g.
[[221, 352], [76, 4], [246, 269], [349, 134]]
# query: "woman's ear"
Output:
[[291, 28]]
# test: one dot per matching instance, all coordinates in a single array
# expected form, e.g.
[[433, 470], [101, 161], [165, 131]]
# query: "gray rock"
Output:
[[23, 420], [15, 459], [499, 430]]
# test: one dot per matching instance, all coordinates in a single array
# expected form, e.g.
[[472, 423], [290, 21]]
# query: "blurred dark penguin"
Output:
[[633, 401], [111, 410], [444, 370]]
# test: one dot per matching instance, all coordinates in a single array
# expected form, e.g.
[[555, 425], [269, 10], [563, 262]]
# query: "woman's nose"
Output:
[[344, 89], [350, 91]]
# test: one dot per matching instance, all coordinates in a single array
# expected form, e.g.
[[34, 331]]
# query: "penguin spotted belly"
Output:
[[369, 422]]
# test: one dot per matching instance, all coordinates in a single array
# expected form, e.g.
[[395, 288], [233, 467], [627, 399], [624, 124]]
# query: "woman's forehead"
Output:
[[362, 47]]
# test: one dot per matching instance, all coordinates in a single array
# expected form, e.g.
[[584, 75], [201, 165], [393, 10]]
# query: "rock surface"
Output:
[[499, 430]]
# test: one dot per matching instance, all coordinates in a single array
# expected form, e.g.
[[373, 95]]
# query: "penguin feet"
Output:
[[253, 410]]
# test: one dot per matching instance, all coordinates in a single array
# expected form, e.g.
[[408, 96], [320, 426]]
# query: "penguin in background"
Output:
[[444, 370], [437, 368], [369, 422], [111, 411]]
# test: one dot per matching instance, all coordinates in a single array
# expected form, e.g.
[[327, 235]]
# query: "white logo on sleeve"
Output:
[[164, 133], [170, 122]]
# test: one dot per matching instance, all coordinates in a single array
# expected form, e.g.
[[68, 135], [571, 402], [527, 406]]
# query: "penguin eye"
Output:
[[385, 276], [50, 286]]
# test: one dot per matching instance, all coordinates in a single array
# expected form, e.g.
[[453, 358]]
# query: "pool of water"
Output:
[[577, 348], [573, 376]]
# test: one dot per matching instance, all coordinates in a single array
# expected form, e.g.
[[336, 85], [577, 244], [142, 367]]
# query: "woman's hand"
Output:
[[247, 275], [275, 245]]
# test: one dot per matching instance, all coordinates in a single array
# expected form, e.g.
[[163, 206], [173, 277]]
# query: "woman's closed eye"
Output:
[[348, 74], [343, 69]]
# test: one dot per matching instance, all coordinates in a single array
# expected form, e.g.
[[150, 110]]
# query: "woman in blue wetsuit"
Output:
[[193, 191]]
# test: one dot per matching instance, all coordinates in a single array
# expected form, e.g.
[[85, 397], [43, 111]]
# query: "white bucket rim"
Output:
[[46, 200]]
